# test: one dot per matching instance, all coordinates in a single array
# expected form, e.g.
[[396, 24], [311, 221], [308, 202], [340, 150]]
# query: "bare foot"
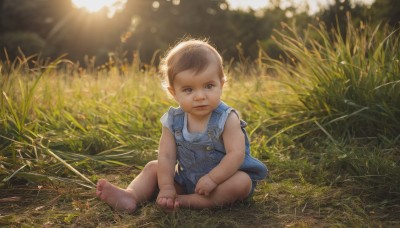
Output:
[[117, 198]]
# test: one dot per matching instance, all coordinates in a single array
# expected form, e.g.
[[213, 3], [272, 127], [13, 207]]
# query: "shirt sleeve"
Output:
[[166, 121], [224, 117]]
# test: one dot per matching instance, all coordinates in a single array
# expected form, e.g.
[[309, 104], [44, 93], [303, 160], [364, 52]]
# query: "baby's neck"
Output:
[[197, 124]]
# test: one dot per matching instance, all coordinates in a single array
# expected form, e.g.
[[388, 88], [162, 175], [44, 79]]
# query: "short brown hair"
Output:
[[190, 54]]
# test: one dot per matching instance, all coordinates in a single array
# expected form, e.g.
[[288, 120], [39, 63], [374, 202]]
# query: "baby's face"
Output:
[[198, 94]]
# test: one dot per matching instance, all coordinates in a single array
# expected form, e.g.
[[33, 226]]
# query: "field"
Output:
[[325, 119]]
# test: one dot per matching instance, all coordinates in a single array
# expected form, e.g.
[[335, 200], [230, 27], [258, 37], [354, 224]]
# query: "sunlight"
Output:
[[95, 5]]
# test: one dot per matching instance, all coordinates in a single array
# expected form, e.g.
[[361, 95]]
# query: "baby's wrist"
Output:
[[212, 178], [167, 187]]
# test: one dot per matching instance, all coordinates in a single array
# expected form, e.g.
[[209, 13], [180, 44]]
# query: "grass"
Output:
[[325, 123]]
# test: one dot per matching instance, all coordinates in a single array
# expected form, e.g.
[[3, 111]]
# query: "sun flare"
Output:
[[95, 5]]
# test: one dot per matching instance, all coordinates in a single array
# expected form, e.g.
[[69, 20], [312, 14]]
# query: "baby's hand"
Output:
[[205, 185], [166, 197]]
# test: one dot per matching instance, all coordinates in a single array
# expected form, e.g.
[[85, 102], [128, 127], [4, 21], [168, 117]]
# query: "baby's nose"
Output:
[[200, 95]]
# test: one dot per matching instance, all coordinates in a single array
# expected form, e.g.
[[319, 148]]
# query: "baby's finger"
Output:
[[176, 204], [170, 203], [165, 202], [161, 202]]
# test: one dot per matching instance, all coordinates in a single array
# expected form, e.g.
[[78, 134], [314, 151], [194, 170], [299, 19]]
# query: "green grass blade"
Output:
[[68, 166]]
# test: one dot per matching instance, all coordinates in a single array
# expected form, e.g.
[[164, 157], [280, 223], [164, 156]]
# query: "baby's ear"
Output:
[[222, 82]]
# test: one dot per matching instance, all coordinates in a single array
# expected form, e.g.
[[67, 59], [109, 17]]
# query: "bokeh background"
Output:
[[96, 30]]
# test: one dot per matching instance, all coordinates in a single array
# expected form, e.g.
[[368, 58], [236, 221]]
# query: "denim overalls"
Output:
[[198, 154]]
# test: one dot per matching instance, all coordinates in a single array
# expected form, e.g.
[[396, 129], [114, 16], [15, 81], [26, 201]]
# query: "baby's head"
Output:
[[195, 55]]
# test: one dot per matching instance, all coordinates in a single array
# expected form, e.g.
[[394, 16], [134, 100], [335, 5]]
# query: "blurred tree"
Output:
[[147, 27], [1, 16], [26, 24], [38, 16], [26, 42], [272, 19], [162, 23], [157, 24], [80, 34], [387, 10], [336, 15]]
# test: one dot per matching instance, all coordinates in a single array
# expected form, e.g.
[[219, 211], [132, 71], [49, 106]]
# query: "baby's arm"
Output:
[[166, 169], [234, 143]]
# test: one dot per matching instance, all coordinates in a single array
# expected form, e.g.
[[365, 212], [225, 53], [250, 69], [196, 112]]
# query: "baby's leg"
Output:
[[234, 189], [139, 190]]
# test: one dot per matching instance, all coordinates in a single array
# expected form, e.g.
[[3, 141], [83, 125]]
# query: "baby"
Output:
[[204, 156]]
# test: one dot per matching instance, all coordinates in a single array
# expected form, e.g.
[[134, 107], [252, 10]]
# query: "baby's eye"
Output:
[[209, 86], [187, 90]]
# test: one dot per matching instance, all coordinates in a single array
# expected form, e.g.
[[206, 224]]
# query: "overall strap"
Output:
[[177, 123], [215, 118]]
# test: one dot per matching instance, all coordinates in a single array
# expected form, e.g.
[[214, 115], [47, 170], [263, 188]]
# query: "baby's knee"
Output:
[[151, 167], [244, 183]]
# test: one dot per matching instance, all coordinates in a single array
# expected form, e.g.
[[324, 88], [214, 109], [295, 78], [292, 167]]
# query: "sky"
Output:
[[314, 4]]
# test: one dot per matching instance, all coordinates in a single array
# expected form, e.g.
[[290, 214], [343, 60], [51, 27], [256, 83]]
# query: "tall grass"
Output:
[[346, 83], [56, 119], [346, 88]]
